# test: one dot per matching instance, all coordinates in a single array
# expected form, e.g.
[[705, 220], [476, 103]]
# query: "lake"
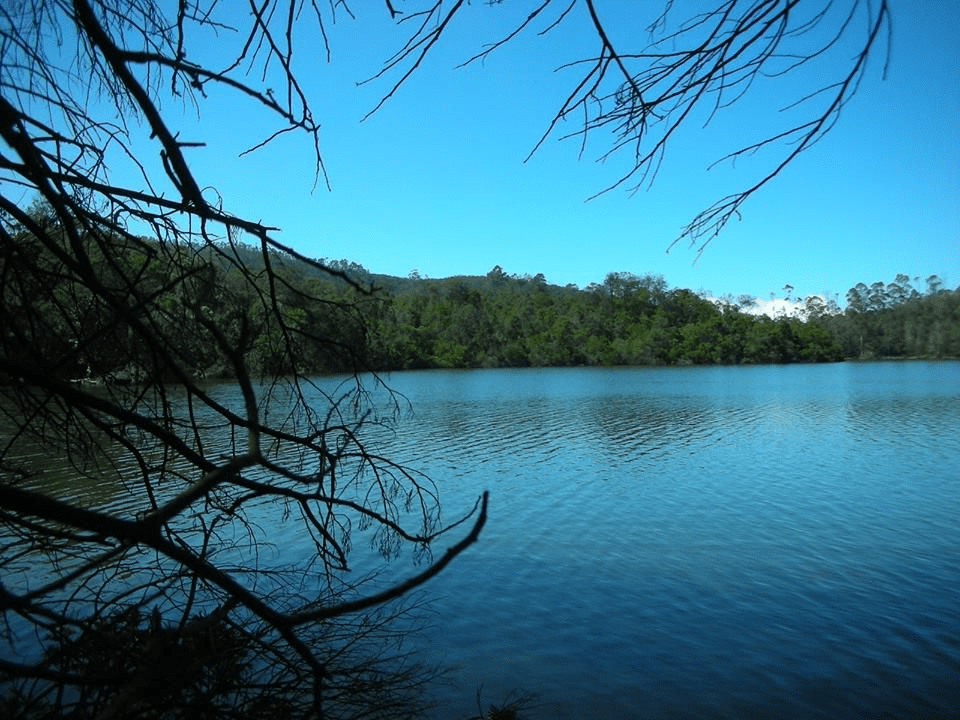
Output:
[[729, 542], [768, 541]]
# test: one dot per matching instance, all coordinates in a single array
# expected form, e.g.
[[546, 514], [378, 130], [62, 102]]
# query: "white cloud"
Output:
[[774, 307], [777, 307]]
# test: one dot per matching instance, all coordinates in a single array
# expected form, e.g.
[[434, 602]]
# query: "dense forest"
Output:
[[506, 320], [503, 320], [496, 320]]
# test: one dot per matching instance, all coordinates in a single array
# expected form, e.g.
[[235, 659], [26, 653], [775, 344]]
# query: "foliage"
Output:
[[326, 324], [329, 325], [506, 320], [514, 321], [157, 604], [217, 666], [511, 708], [894, 319]]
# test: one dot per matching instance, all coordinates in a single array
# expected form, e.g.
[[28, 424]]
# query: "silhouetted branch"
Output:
[[117, 297], [690, 70]]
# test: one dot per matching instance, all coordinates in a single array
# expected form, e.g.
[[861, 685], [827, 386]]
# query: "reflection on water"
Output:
[[693, 542], [728, 542]]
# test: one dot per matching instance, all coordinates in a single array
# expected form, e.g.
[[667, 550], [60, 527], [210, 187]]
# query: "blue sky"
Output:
[[435, 181]]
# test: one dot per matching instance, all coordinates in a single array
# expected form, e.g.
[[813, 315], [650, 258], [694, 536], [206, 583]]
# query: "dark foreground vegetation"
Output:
[[134, 505]]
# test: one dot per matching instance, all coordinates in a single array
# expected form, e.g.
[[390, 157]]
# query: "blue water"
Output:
[[698, 542], [734, 542]]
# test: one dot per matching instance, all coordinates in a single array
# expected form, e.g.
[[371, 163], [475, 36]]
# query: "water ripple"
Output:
[[715, 543], [696, 542]]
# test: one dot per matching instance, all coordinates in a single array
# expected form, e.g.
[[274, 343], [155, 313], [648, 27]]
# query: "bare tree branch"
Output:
[[690, 70], [116, 299]]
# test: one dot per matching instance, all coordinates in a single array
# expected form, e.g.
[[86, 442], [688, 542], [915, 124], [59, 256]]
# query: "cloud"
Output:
[[777, 307], [773, 307]]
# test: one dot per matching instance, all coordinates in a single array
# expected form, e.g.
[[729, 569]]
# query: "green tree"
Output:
[[897, 321]]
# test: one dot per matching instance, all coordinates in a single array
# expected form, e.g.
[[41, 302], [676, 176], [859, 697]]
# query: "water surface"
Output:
[[733, 542], [777, 541]]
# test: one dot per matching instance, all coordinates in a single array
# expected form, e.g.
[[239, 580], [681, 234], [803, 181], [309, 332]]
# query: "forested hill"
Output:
[[506, 320], [315, 321]]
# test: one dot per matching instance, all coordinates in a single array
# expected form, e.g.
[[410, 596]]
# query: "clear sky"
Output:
[[435, 181]]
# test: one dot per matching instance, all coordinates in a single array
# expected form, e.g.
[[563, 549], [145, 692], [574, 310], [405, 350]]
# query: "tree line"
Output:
[[502, 320], [353, 319], [896, 320], [628, 319], [510, 320]]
